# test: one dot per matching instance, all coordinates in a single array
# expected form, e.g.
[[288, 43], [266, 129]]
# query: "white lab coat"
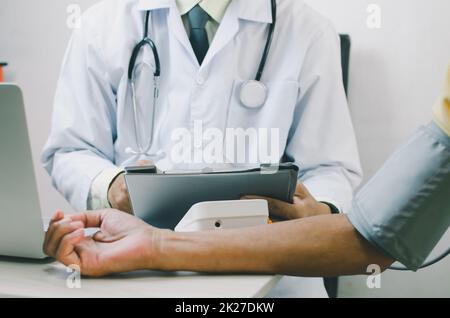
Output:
[[92, 121]]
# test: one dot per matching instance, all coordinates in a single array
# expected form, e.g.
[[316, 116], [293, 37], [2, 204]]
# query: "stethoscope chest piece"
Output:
[[253, 94]]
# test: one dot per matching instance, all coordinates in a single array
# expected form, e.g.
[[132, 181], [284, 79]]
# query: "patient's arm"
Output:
[[316, 246]]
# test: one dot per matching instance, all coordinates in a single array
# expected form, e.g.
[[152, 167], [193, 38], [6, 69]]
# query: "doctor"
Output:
[[206, 51]]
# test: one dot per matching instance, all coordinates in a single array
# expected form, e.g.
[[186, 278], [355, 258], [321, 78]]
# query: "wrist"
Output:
[[110, 193], [157, 257], [178, 251]]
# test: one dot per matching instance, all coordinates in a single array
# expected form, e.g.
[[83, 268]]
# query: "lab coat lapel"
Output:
[[228, 29], [248, 10], [176, 27], [251, 10], [175, 23]]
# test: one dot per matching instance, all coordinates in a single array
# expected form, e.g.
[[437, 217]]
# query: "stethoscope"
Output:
[[253, 93]]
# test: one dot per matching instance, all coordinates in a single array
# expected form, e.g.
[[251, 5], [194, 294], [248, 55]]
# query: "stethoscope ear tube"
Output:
[[133, 59], [262, 64], [135, 55], [145, 41]]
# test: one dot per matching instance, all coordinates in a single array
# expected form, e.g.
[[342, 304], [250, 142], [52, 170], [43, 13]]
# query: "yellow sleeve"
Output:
[[442, 108]]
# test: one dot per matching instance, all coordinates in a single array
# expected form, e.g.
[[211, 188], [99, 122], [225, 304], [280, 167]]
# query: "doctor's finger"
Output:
[[301, 191], [277, 207], [144, 163], [59, 232], [66, 250], [282, 209]]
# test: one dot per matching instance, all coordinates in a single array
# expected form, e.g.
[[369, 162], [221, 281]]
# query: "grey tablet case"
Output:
[[163, 199]]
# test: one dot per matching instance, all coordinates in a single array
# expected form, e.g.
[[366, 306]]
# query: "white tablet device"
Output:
[[163, 199]]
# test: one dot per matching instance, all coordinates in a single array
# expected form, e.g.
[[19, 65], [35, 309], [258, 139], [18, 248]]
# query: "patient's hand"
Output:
[[124, 243], [304, 205]]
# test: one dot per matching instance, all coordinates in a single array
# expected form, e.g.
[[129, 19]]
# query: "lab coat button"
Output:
[[200, 80]]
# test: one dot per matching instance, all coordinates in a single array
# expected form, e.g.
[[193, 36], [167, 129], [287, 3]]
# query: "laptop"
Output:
[[21, 224]]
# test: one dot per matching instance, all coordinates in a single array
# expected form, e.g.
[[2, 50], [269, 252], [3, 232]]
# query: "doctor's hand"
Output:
[[123, 243], [304, 205], [118, 196]]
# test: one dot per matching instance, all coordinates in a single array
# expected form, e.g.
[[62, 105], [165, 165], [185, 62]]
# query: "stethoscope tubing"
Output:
[[262, 64]]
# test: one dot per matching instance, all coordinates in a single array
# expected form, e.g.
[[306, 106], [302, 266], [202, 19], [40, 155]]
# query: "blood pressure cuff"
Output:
[[404, 210]]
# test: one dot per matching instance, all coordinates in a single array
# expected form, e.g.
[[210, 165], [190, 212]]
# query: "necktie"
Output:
[[198, 37]]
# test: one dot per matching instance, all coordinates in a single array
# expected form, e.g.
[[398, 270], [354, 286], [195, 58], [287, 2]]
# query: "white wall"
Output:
[[396, 74]]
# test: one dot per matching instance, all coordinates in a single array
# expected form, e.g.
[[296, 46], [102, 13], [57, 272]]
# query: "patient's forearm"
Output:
[[316, 246]]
